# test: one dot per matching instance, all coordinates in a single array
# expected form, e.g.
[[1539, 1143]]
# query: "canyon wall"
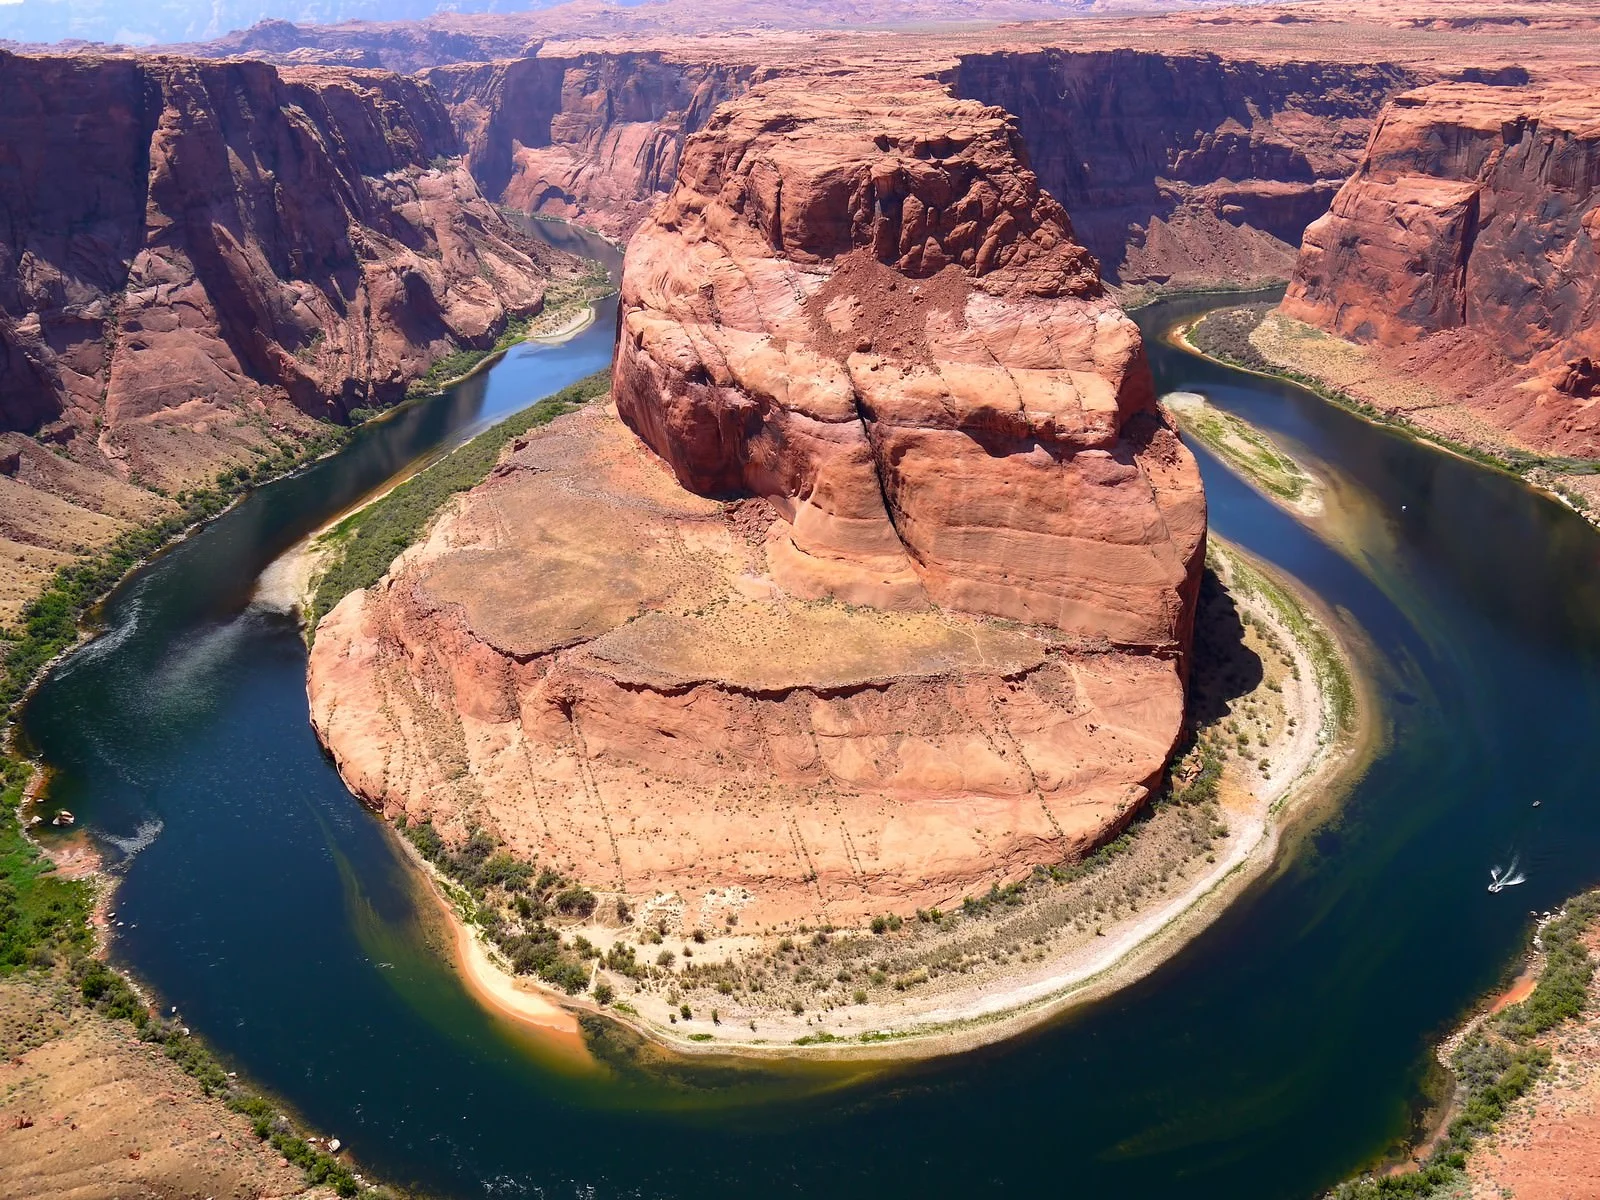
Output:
[[872, 589], [199, 260], [1468, 235], [1184, 168], [596, 137], [1178, 169]]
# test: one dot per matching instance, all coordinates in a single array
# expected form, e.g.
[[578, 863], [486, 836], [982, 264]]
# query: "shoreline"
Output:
[[584, 317], [289, 580], [495, 990], [1240, 447], [1334, 749], [1373, 415]]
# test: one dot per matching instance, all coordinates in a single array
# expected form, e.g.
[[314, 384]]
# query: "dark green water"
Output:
[[1282, 1049]]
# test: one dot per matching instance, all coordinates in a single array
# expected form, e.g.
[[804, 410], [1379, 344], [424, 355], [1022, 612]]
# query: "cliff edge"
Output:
[[1466, 250], [872, 589]]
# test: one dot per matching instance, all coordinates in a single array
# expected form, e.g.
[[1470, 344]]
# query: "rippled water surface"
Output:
[[1283, 1048]]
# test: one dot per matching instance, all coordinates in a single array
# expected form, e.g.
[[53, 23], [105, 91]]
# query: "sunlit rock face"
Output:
[[870, 589], [1472, 225]]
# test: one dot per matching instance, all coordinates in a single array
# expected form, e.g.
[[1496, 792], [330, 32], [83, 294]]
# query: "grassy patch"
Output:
[[1332, 674], [41, 915], [1243, 447], [365, 543]]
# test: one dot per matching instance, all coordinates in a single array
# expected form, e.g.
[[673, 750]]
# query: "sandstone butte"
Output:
[[200, 259], [873, 587], [1466, 250]]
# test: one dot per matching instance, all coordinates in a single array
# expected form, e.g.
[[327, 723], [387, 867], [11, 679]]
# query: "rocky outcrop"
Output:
[[859, 305], [227, 238], [878, 591], [595, 137], [1465, 247], [1185, 168]]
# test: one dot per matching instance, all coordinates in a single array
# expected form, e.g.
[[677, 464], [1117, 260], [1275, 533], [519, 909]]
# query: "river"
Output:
[[1283, 1048]]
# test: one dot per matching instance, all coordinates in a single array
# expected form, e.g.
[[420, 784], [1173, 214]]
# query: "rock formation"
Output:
[[1186, 168], [595, 137], [1465, 245], [950, 410], [231, 233], [201, 258], [883, 600]]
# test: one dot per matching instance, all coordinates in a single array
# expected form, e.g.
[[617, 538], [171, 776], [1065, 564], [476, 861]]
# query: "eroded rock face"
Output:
[[866, 362], [228, 236], [859, 305], [1187, 168], [596, 137], [1474, 219]]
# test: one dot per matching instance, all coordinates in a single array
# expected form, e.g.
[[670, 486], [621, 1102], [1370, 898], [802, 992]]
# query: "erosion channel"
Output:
[[1283, 1048]]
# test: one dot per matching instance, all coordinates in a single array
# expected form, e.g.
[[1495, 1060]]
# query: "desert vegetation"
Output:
[[788, 985], [1498, 1060], [52, 621]]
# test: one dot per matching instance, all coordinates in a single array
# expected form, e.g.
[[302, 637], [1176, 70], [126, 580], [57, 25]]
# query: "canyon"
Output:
[[322, 260], [1465, 250], [872, 587], [232, 256], [849, 350]]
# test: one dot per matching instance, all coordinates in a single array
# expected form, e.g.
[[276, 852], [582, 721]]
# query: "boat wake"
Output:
[[145, 833], [1500, 880]]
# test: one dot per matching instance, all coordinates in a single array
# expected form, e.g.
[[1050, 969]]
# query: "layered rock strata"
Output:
[[199, 260], [1187, 169], [230, 232], [1466, 250], [877, 592], [596, 137]]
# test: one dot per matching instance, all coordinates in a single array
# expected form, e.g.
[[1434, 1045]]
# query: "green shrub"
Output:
[[41, 914], [1497, 1063]]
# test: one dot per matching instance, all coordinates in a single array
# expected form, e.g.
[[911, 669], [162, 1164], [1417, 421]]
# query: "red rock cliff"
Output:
[[1474, 219], [1187, 168], [858, 304], [880, 370], [225, 235], [595, 137]]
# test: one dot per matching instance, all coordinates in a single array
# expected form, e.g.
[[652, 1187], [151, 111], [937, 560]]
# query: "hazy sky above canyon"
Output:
[[139, 22]]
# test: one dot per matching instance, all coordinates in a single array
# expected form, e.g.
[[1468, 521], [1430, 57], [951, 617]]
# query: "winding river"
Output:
[[1283, 1048]]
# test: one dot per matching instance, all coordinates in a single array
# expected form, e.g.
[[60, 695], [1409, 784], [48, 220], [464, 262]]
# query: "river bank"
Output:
[[104, 1094], [58, 920], [1262, 341], [1020, 956], [1268, 468], [1523, 1116], [87, 1111]]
